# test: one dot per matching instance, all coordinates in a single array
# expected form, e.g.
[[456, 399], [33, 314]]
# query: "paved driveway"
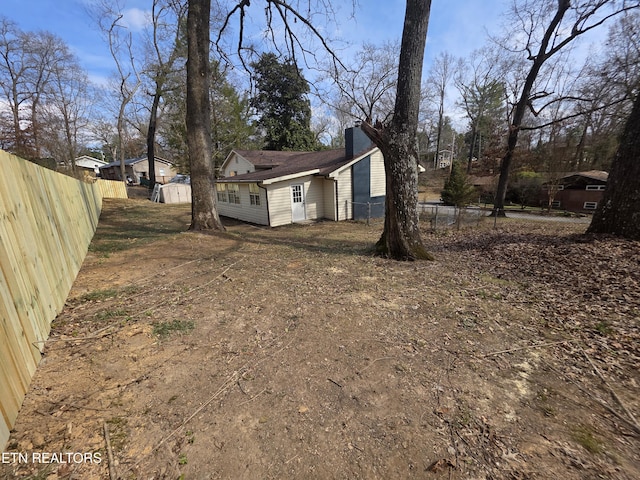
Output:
[[549, 218]]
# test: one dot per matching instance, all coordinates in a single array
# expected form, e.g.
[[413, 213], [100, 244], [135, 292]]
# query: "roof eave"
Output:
[[292, 176], [340, 169]]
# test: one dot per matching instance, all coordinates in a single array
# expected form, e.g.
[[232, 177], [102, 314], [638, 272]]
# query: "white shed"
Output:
[[175, 193]]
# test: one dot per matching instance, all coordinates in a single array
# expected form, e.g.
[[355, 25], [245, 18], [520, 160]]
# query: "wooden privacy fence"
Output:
[[112, 189], [47, 221]]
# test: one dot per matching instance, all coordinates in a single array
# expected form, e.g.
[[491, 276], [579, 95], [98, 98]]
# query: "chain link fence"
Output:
[[442, 217], [366, 210], [438, 216]]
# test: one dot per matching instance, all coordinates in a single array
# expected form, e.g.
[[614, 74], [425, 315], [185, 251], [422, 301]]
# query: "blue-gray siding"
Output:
[[364, 205]]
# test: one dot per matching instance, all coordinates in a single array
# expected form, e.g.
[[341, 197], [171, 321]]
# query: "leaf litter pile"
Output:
[[295, 353]]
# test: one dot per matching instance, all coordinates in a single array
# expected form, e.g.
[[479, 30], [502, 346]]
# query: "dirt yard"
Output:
[[293, 353]]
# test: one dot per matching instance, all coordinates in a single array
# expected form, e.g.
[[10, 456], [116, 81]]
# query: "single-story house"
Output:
[[575, 192], [278, 188], [445, 158], [137, 170], [89, 164]]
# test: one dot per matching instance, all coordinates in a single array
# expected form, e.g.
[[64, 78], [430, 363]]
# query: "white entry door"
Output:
[[297, 203]]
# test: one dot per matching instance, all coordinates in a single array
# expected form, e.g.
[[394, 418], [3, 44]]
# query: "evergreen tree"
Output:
[[458, 191], [282, 105], [231, 126], [230, 119]]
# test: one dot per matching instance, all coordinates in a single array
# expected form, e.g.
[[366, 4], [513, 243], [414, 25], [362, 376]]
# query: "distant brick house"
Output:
[[575, 192]]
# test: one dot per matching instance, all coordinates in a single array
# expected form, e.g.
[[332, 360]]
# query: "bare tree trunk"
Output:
[[162, 66], [127, 89], [619, 211], [436, 163], [472, 147], [401, 239], [121, 153], [522, 105], [204, 214], [151, 138], [581, 144]]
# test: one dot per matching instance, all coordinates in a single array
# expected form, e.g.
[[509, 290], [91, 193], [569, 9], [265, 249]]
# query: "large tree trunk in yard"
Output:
[[522, 106], [619, 211], [204, 214], [151, 140], [401, 239]]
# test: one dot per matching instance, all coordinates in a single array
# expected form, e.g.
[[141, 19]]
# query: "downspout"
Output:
[[335, 192]]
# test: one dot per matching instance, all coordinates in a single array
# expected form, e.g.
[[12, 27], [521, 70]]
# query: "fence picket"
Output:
[[47, 221]]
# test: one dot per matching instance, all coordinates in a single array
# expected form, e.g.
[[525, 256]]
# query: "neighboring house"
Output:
[[137, 170], [89, 164], [575, 192], [278, 188], [445, 157]]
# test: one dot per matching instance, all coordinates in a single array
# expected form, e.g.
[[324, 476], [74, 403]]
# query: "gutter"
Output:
[[337, 207]]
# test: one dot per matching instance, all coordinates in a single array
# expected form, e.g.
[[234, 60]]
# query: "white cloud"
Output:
[[136, 19]]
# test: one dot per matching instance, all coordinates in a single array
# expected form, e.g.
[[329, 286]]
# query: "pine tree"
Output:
[[282, 105], [458, 191]]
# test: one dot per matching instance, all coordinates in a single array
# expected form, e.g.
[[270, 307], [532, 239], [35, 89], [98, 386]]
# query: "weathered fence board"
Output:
[[47, 221], [112, 188]]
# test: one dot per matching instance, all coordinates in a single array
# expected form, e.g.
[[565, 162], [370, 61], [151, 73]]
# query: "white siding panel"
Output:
[[280, 200], [329, 199], [237, 164], [345, 195], [279, 203], [314, 198], [377, 175], [244, 210]]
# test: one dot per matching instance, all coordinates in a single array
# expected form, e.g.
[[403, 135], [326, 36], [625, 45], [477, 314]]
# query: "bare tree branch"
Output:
[[574, 115], [289, 15]]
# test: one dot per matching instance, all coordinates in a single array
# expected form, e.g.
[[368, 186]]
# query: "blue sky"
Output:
[[456, 26], [67, 19]]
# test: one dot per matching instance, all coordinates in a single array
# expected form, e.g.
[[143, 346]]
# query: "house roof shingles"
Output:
[[266, 158], [592, 174], [132, 161], [568, 178], [290, 163]]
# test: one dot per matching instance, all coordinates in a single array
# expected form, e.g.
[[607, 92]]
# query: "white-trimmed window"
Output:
[[254, 194], [555, 204], [221, 190], [233, 191], [595, 187], [590, 205]]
